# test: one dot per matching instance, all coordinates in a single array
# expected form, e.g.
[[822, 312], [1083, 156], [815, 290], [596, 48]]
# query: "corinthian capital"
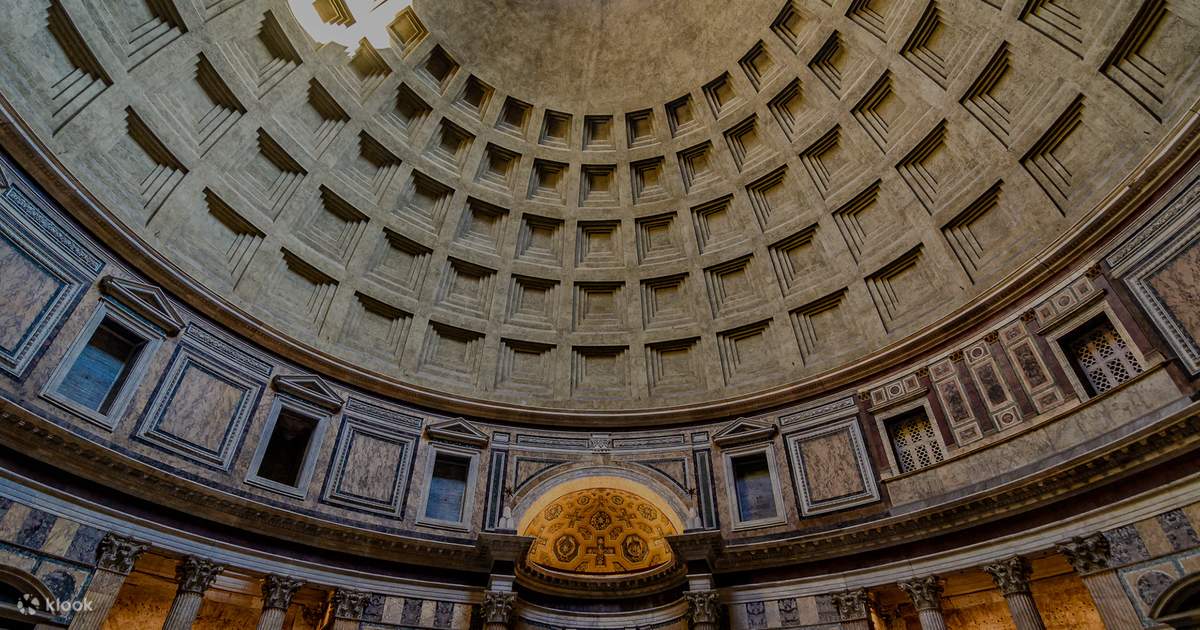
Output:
[[118, 553], [1087, 554], [925, 592], [851, 605], [195, 575], [703, 606], [348, 604], [1011, 574], [498, 607], [277, 591]]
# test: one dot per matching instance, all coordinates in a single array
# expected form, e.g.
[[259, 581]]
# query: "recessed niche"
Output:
[[745, 143], [450, 146], [656, 240], [665, 302], [321, 116], [556, 129], [716, 225], [598, 185], [481, 226], [772, 199], [598, 306], [399, 263], [425, 202], [499, 168], [758, 65], [818, 325], [451, 353], [792, 25], [532, 302], [540, 240], [548, 181], [731, 287], [407, 30], [786, 106], [514, 117], [721, 96], [598, 133], [439, 68], [334, 226], [747, 353], [794, 258], [525, 366], [598, 244], [672, 366], [599, 371], [646, 176], [367, 70], [696, 167], [474, 98], [466, 288], [681, 116], [405, 113], [640, 127]]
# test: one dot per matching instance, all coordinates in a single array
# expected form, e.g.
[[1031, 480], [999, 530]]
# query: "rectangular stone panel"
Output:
[[200, 409], [370, 465], [831, 467]]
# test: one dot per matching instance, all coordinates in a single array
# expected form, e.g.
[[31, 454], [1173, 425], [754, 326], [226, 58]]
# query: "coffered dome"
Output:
[[612, 211]]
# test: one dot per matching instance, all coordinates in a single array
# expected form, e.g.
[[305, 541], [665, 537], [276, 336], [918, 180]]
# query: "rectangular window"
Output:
[[448, 488], [102, 367], [753, 487], [914, 441], [287, 448], [1099, 355]]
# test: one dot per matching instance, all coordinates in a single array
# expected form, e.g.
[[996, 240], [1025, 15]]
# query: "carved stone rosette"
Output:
[[195, 575], [1087, 554], [704, 608], [925, 592], [1011, 575], [118, 553], [277, 591], [348, 604], [851, 605], [497, 608]]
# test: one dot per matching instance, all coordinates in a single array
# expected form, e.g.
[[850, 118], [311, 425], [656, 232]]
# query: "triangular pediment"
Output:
[[742, 431], [458, 430], [146, 300], [309, 388]]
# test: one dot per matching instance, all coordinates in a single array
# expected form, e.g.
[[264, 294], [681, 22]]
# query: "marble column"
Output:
[[115, 557], [1090, 556], [498, 610], [277, 592], [926, 595], [853, 608], [194, 576], [1011, 576], [704, 610], [348, 607]]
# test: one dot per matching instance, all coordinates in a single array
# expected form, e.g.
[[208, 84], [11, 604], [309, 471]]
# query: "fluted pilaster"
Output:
[[1011, 576], [194, 576], [1091, 556], [926, 595], [115, 557]]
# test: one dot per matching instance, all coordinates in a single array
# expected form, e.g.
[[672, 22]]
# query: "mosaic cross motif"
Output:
[[600, 551]]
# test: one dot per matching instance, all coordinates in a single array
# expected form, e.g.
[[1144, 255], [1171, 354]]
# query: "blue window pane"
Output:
[[752, 483], [101, 368], [448, 488]]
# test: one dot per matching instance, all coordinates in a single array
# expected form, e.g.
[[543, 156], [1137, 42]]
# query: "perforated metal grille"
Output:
[[915, 443], [1103, 357]]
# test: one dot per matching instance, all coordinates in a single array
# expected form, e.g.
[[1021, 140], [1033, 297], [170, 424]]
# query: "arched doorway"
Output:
[[1179, 605]]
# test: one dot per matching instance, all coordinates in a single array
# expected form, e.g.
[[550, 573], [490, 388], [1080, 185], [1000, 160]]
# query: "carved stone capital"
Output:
[[1011, 575], [277, 591], [992, 337], [851, 605], [925, 592], [1087, 554], [348, 604], [498, 607], [703, 607], [195, 575], [118, 553]]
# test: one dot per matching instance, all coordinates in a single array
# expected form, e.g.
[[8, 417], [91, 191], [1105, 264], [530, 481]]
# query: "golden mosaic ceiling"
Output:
[[600, 531]]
